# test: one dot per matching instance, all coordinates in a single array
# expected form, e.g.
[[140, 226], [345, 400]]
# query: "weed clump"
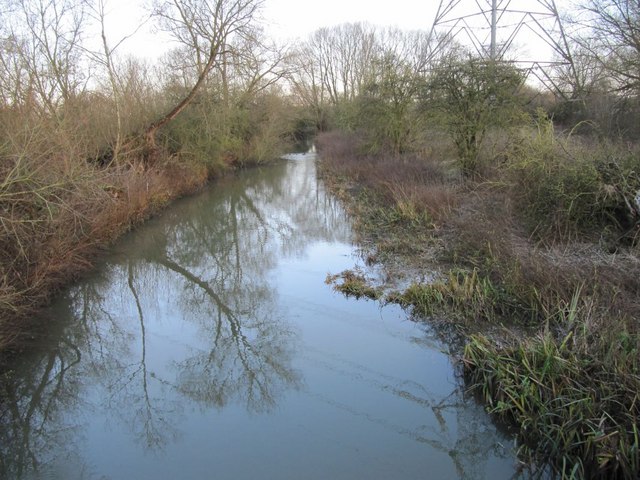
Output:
[[465, 295], [573, 409], [353, 284], [565, 190]]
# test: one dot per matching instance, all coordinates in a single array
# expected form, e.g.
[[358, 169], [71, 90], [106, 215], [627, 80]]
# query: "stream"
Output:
[[206, 344]]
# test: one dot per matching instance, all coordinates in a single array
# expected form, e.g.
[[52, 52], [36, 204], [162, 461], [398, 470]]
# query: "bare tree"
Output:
[[357, 45], [343, 56], [14, 76], [205, 28], [106, 60], [305, 78], [334, 66], [361, 72], [51, 33], [251, 67], [613, 39], [585, 75]]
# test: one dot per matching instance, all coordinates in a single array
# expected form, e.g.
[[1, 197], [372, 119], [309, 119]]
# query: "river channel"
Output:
[[207, 345]]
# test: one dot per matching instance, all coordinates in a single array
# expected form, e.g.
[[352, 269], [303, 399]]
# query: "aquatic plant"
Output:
[[575, 411], [353, 283]]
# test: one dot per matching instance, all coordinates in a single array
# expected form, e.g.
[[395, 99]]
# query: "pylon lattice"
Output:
[[506, 30]]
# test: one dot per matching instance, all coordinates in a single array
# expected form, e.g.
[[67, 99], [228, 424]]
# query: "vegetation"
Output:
[[471, 96], [511, 255], [522, 224], [574, 410], [526, 216], [354, 284], [93, 142]]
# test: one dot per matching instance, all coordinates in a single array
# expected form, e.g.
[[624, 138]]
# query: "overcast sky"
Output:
[[296, 19]]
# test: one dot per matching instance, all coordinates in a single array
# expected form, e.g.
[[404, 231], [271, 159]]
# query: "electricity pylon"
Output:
[[493, 29]]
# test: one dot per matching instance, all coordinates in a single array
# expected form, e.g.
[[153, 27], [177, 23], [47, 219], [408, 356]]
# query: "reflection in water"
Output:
[[209, 338]]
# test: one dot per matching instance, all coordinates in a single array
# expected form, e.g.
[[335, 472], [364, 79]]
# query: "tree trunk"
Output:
[[151, 149]]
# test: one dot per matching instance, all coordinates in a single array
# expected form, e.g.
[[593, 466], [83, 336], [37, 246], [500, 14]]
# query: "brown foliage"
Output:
[[413, 184], [54, 223], [487, 234]]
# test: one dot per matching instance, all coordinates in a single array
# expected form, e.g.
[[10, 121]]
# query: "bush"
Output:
[[470, 97], [564, 189], [218, 137]]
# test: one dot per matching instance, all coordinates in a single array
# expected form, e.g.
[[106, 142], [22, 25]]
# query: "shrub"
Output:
[[468, 98], [563, 189]]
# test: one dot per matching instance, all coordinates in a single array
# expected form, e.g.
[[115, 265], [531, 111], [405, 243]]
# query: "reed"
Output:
[[574, 411], [463, 295]]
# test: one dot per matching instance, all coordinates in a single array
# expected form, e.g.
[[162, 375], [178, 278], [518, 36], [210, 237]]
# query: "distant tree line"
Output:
[[391, 82]]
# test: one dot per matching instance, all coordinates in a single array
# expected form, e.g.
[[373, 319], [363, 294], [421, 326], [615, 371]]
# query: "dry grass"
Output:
[[417, 187], [55, 219], [544, 238]]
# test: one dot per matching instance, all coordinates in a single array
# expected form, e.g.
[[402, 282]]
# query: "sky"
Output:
[[284, 20], [291, 20], [296, 19]]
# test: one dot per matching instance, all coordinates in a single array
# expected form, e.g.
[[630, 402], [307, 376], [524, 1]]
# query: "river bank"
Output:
[[58, 222], [205, 340], [541, 240]]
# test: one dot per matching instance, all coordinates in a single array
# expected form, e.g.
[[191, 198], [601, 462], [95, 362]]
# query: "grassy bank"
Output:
[[544, 237], [57, 214], [56, 220]]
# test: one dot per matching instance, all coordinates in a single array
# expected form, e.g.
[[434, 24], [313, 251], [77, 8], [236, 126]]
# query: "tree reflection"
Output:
[[205, 264], [249, 354], [184, 317], [31, 402]]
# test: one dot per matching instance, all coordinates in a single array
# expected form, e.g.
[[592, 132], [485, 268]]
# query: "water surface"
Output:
[[207, 345]]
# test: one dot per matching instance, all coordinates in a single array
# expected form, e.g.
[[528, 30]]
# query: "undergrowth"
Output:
[[54, 221], [573, 409], [546, 237], [566, 189]]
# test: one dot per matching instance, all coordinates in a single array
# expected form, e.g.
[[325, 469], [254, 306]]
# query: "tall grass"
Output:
[[460, 294], [574, 410], [566, 189], [54, 220]]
